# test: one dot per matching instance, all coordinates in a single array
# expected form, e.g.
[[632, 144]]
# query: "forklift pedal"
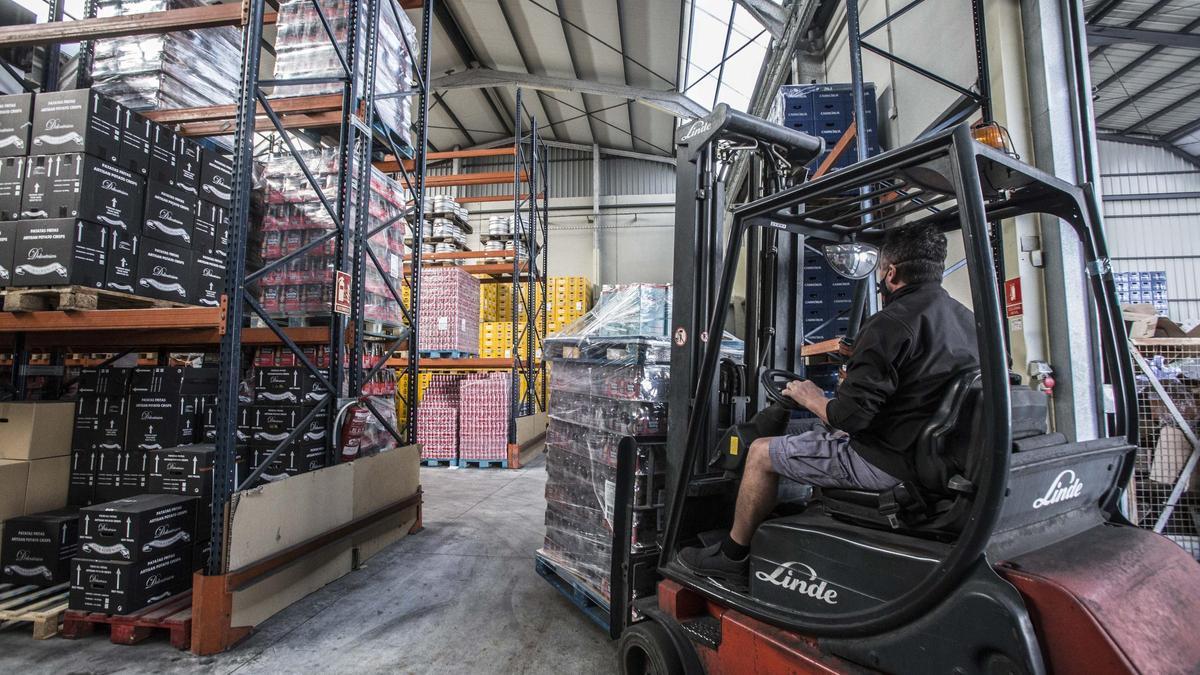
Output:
[[704, 630]]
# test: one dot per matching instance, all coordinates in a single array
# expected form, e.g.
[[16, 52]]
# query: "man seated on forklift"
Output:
[[904, 357]]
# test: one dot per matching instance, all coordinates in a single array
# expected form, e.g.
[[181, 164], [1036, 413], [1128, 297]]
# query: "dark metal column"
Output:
[[231, 342]]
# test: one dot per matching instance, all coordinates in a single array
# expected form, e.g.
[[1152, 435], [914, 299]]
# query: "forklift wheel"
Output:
[[645, 649]]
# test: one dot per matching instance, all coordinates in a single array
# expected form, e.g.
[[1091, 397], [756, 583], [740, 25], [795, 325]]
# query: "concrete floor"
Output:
[[460, 597]]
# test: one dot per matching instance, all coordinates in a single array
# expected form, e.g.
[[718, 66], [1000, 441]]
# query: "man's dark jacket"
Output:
[[905, 356]]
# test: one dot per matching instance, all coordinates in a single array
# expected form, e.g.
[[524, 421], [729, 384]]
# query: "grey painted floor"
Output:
[[460, 597]]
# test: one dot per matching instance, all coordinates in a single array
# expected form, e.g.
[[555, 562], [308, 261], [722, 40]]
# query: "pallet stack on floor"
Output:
[[610, 377]]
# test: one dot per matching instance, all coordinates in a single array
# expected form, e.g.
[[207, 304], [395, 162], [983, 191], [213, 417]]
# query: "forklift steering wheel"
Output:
[[773, 382]]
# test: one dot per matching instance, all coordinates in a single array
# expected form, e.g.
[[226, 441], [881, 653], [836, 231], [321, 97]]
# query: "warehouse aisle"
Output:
[[460, 597]]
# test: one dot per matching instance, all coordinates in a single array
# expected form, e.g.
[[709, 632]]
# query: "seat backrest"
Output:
[[943, 444]]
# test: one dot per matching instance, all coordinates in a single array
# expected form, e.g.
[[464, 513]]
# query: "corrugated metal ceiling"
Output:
[[1143, 89], [609, 41]]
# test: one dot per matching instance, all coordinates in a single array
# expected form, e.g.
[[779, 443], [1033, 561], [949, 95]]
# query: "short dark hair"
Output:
[[918, 252]]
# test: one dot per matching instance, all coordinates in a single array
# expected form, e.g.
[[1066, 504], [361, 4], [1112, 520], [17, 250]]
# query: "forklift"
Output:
[[1009, 554]]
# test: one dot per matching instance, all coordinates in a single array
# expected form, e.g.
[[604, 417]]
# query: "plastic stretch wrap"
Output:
[[609, 379], [295, 217], [174, 70], [303, 50]]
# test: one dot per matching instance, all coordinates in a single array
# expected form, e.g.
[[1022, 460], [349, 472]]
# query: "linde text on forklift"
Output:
[[784, 576]]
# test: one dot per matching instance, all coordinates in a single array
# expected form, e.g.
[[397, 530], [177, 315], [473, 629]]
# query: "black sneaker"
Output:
[[709, 561]]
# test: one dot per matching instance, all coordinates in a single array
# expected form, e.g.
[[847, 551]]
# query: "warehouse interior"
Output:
[[382, 336]]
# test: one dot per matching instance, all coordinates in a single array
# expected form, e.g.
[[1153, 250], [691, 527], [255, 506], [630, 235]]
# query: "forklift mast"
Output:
[[704, 151]]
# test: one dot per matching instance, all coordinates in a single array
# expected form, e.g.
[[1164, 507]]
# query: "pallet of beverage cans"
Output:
[[437, 418], [483, 426], [449, 311], [619, 390]]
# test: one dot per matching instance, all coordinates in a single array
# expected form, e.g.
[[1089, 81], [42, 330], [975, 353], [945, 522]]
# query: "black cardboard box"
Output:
[[12, 186], [108, 476], [185, 470], [8, 245], [209, 283], [211, 225], [216, 177], [58, 252], [16, 119], [118, 587], [279, 386], [122, 261], [37, 548], [158, 421], [136, 528], [269, 424], [81, 486], [291, 462], [164, 271], [79, 120], [188, 165], [164, 154], [170, 214], [134, 466], [104, 381], [100, 422], [174, 380], [76, 185], [136, 135]]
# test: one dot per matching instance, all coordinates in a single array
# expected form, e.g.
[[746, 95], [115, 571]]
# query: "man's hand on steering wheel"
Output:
[[804, 392]]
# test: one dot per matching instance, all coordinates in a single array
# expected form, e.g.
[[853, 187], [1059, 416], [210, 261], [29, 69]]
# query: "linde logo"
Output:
[[39, 254], [696, 129], [55, 123], [798, 577], [27, 556], [1065, 486]]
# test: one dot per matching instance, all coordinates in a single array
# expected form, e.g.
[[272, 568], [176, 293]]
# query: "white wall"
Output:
[[636, 237], [1154, 234]]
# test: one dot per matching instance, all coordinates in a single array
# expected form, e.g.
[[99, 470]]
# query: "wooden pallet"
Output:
[[43, 607], [430, 461], [81, 298], [593, 605], [451, 354], [173, 615], [483, 463]]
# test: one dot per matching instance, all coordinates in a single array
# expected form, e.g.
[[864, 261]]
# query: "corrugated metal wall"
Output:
[[570, 175], [1152, 219]]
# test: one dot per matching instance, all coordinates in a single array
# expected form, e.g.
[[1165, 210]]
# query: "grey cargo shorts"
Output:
[[823, 457]]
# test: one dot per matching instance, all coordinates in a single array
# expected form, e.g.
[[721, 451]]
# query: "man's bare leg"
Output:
[[757, 494]]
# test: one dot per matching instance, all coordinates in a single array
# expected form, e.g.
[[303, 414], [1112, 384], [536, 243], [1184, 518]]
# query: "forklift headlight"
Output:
[[853, 260]]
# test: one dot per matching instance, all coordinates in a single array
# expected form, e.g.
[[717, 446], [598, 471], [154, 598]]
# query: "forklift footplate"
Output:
[[704, 630]]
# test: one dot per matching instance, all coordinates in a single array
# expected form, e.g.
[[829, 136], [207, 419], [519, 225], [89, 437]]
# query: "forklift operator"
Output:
[[904, 357]]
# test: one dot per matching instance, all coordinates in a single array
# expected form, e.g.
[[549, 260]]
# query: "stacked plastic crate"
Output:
[[610, 380], [826, 301], [827, 110], [1143, 288]]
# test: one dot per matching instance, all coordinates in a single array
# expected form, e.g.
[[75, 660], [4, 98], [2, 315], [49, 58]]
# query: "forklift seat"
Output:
[[944, 461]]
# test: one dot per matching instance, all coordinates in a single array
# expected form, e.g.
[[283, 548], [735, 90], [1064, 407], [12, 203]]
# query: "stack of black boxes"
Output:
[[38, 548], [283, 397], [139, 456], [93, 194], [133, 552]]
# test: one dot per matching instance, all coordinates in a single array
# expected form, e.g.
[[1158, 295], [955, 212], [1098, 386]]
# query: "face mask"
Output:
[[884, 290]]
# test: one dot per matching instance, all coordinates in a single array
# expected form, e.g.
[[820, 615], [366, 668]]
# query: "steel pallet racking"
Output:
[[352, 113]]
